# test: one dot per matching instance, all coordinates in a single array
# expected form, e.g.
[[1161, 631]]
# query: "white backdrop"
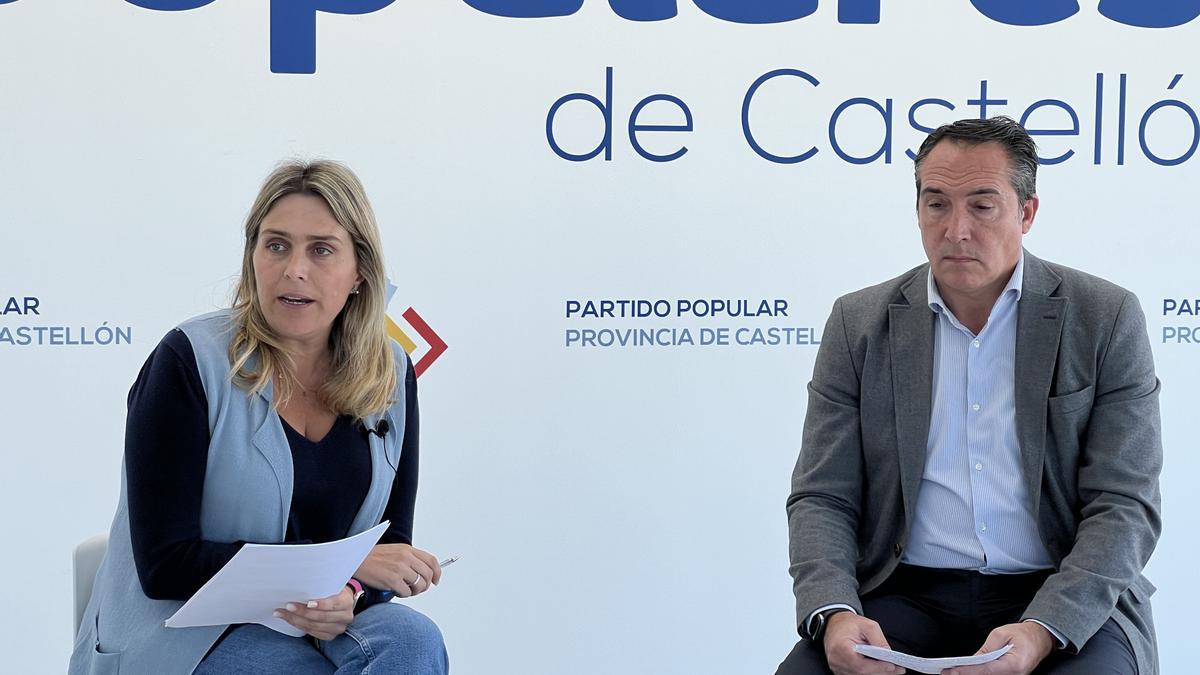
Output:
[[617, 509]]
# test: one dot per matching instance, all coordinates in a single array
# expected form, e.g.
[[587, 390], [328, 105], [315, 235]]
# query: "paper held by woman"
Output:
[[261, 578]]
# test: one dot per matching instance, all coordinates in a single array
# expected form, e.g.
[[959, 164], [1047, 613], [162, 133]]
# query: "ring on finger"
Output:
[[414, 582]]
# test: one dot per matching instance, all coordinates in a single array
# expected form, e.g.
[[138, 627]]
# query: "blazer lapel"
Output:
[[383, 473], [1039, 328], [910, 328], [271, 442]]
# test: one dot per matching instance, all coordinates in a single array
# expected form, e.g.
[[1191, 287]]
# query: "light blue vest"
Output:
[[247, 496]]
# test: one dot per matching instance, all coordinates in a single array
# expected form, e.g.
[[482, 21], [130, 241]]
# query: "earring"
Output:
[[354, 291]]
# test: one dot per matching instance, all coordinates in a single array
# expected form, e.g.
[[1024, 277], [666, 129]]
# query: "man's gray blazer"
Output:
[[1087, 426]]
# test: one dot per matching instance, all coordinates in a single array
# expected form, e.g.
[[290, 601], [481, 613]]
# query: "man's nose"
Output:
[[959, 227]]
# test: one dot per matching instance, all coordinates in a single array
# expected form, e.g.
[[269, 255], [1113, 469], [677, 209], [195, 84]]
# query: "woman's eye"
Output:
[[323, 251], [275, 246]]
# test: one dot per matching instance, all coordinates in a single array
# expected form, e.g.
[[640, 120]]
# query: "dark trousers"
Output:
[[935, 613]]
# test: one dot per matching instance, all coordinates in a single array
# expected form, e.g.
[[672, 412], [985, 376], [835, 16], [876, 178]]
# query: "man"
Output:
[[981, 452]]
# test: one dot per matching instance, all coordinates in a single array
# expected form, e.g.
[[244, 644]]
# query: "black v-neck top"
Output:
[[330, 479], [166, 455]]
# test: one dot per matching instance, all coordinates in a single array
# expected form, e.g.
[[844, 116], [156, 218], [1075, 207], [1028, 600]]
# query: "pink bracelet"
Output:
[[355, 586]]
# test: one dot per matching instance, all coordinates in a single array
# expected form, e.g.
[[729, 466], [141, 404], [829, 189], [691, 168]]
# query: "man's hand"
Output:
[[323, 619], [842, 632], [1031, 643], [400, 568]]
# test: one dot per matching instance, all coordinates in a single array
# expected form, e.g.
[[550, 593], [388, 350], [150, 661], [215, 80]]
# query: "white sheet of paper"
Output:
[[261, 578], [928, 665]]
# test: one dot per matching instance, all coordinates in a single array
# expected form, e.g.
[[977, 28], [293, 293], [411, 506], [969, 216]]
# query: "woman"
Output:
[[289, 418]]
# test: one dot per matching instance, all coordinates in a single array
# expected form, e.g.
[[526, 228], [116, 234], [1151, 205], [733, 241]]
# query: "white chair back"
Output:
[[88, 555]]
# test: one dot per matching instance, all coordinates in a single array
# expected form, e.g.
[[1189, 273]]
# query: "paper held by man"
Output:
[[261, 578], [922, 665]]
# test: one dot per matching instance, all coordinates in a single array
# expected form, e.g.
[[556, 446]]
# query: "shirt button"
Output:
[[983, 527], [975, 344], [978, 466], [975, 407]]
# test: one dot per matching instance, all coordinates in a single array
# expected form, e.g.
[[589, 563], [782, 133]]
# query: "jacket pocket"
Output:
[[1073, 402], [105, 663]]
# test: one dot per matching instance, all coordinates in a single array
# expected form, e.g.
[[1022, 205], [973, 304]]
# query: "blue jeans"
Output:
[[385, 638]]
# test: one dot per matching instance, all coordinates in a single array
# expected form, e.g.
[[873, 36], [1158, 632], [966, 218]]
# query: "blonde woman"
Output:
[[290, 417]]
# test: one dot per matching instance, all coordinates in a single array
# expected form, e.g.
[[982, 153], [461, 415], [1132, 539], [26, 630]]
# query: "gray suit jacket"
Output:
[[1087, 425]]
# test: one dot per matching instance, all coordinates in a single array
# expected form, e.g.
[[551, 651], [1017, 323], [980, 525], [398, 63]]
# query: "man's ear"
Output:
[[1028, 212]]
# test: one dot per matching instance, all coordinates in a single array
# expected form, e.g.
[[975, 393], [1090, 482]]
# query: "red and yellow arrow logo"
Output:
[[437, 346]]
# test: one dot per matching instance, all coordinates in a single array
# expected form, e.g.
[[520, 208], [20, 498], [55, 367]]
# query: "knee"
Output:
[[419, 629], [414, 637], [806, 658]]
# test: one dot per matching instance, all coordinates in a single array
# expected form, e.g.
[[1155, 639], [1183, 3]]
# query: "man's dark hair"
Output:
[[1017, 144]]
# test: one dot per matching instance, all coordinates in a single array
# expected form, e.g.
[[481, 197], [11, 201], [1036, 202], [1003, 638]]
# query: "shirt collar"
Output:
[[1014, 285]]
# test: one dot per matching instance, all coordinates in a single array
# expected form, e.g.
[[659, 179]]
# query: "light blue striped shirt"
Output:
[[973, 508]]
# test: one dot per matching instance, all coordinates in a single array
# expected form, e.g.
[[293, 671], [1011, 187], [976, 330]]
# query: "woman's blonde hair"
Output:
[[362, 378]]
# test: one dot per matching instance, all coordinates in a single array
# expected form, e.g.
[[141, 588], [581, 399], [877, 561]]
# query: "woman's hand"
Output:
[[400, 568], [323, 619]]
